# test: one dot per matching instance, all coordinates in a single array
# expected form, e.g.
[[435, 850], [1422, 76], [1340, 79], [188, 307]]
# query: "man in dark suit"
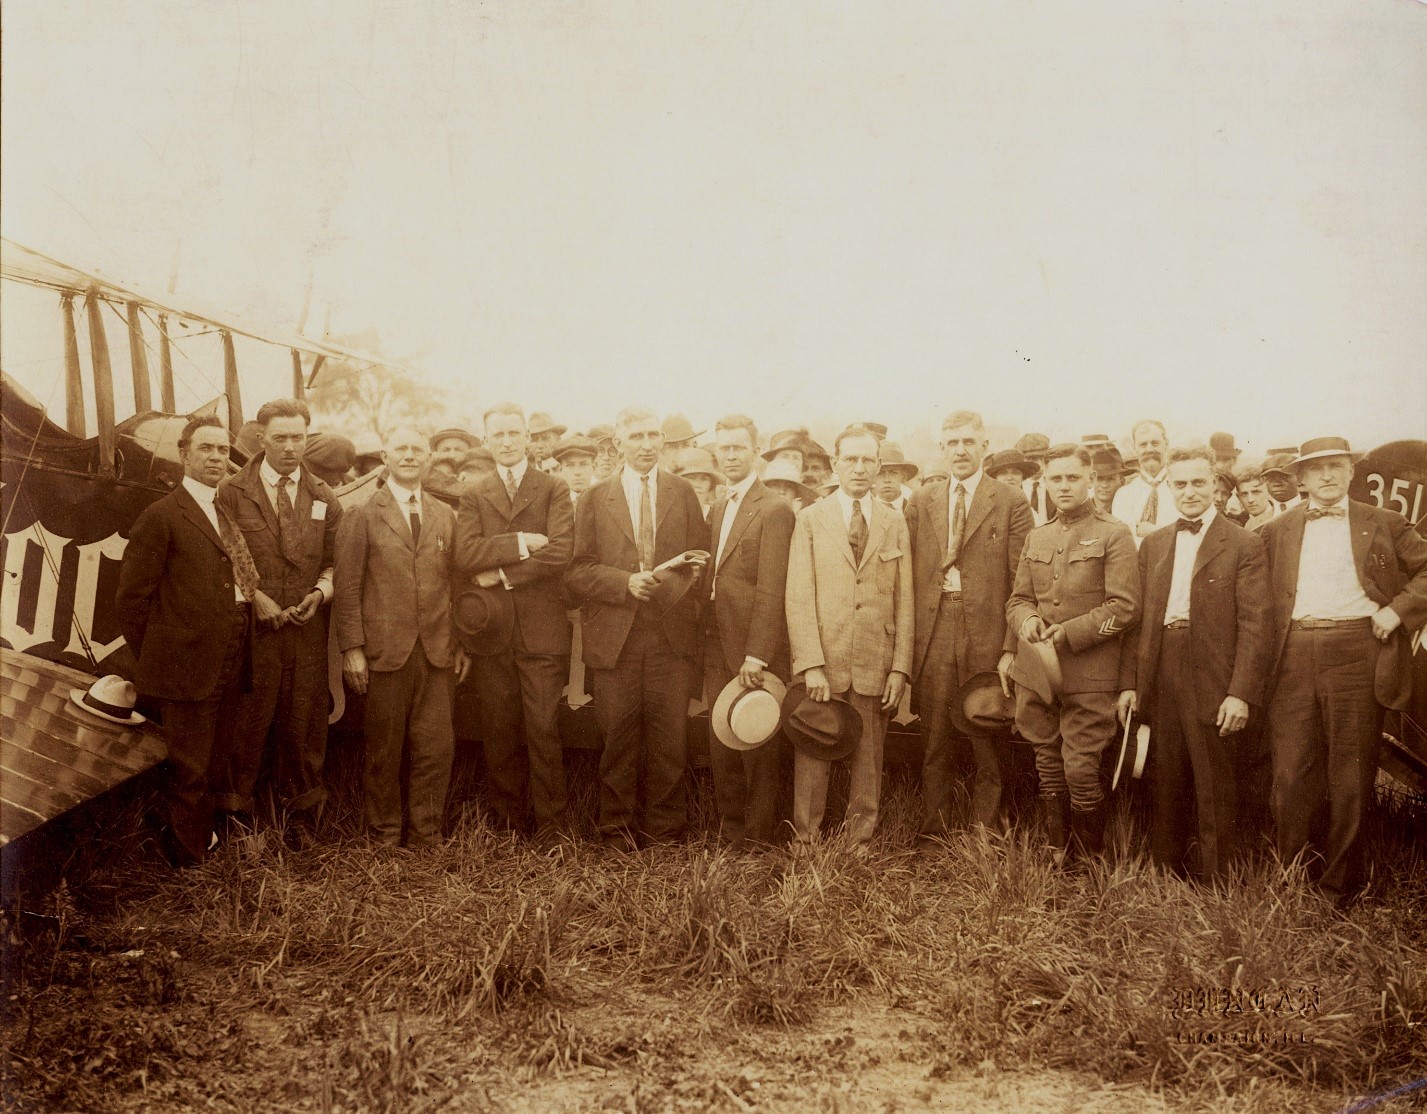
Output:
[[184, 588], [967, 535], [393, 614], [745, 629], [1348, 586], [625, 527], [1078, 589], [1196, 662], [514, 532], [289, 520]]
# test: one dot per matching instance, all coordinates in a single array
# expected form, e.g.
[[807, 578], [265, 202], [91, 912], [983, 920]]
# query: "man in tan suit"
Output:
[[851, 622]]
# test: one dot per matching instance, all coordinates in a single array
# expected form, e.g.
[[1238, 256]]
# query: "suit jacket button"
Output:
[[1055, 603]]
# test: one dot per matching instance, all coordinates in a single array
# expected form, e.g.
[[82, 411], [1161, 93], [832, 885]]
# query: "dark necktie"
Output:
[[1151, 512], [415, 521], [958, 528], [857, 531], [286, 515], [245, 571], [510, 485], [646, 527], [1193, 525], [1315, 513]]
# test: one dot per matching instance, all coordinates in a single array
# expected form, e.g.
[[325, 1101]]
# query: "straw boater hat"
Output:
[[1011, 458], [677, 428], [577, 445], [1131, 760], [1094, 441], [1321, 447], [827, 730], [541, 422], [485, 618], [110, 698], [894, 460], [786, 472], [1037, 666], [697, 462], [744, 718], [465, 435]]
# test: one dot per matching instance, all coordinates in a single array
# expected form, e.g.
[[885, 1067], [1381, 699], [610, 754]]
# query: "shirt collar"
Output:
[[1312, 502], [846, 501], [1208, 516], [631, 479], [271, 476], [740, 489], [1157, 478], [517, 469], [201, 492], [400, 492], [971, 483]]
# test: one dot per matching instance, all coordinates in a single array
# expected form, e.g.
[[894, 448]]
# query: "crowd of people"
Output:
[[1246, 623]]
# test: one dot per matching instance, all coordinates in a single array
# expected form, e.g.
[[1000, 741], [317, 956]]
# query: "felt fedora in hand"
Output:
[[1038, 668], [827, 730], [484, 618], [673, 579], [980, 707], [745, 719], [110, 698]]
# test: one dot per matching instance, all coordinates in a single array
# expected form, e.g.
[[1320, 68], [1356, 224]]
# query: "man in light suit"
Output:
[[289, 519], [1142, 504], [184, 591], [514, 532], [851, 626], [625, 527], [393, 613], [1195, 663], [1348, 587], [745, 629], [967, 534]]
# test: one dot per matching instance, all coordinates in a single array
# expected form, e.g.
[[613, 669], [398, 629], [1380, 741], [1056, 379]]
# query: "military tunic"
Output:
[[1079, 570]]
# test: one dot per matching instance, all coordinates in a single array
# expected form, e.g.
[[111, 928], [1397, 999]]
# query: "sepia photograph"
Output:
[[654, 556]]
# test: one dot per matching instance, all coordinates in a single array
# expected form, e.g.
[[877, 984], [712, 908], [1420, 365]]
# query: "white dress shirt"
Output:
[[403, 496], [845, 501], [205, 497], [1186, 551], [736, 496], [633, 484], [1328, 584], [271, 478], [952, 581], [1130, 502], [516, 472], [1039, 499]]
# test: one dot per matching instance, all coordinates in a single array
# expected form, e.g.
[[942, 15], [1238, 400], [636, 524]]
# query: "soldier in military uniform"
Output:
[[1078, 588]]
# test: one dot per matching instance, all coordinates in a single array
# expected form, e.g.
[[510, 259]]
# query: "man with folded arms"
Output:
[[1077, 589], [851, 625], [745, 628], [642, 657], [967, 534], [1196, 662], [514, 533], [1348, 585]]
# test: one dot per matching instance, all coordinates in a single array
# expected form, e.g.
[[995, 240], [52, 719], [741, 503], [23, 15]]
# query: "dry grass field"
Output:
[[487, 976]]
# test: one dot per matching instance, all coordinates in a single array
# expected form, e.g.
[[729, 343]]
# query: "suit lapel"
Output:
[[876, 530], [978, 510], [939, 522], [194, 513], [392, 516], [525, 493], [742, 516], [1360, 529], [1161, 578], [1285, 568], [619, 507], [250, 483], [1216, 537], [663, 498], [830, 518]]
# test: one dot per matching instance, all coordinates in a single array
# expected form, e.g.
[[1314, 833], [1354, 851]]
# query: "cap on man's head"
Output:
[[877, 429], [601, 434], [459, 434], [1034, 445], [1279, 464], [575, 446]]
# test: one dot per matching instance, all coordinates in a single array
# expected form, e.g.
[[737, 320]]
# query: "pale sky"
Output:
[[1066, 214]]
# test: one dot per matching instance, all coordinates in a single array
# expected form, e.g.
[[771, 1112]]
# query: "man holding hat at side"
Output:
[[1077, 591], [514, 534], [851, 617], [967, 534], [1348, 589], [745, 634], [1195, 663]]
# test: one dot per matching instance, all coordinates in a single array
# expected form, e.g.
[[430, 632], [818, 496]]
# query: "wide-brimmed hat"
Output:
[[1011, 458], [786, 472], [465, 435], [672, 584], [578, 445], [1131, 760], [894, 460], [696, 462], [813, 451], [1222, 444], [935, 470], [980, 706], [744, 718], [1033, 444], [677, 428], [601, 434], [485, 617], [1108, 462], [1037, 666], [541, 422], [111, 697], [787, 439], [828, 730], [1320, 447]]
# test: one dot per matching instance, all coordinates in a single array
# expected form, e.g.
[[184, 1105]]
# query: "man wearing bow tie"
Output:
[[1196, 662], [745, 630], [514, 532], [1349, 586], [393, 614]]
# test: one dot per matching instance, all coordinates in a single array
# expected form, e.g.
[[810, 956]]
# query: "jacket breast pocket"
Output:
[[887, 569], [1085, 566]]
